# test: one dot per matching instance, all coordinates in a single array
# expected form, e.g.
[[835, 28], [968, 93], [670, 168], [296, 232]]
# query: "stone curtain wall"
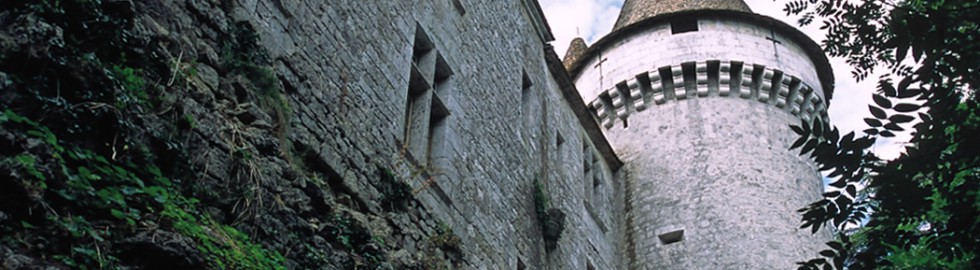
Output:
[[348, 70]]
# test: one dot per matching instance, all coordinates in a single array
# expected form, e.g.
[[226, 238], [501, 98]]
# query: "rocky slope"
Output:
[[155, 135]]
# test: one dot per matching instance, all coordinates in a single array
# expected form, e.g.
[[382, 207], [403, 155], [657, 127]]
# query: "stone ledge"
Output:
[[703, 79]]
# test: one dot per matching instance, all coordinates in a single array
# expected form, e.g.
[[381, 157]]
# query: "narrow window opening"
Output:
[[520, 264], [413, 110], [596, 180], [586, 168], [683, 26], [438, 111], [441, 76], [417, 98], [559, 140], [459, 7], [527, 98], [437, 128]]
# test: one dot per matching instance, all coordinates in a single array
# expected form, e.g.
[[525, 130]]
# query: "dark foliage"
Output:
[[551, 220], [918, 211]]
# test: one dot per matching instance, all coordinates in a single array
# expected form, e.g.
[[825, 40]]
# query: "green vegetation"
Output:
[[356, 239], [99, 171], [96, 182], [97, 188], [920, 210], [395, 194], [551, 220], [447, 240], [225, 246], [133, 88], [243, 55]]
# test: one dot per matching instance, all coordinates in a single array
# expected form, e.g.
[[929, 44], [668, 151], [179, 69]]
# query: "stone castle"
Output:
[[665, 143]]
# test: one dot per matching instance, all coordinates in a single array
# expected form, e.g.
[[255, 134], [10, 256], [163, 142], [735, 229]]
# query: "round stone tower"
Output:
[[697, 98]]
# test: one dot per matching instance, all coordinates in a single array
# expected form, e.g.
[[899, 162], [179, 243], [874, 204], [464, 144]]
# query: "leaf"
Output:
[[809, 146], [835, 245], [898, 26], [847, 140], [871, 131], [882, 101], [799, 142], [95, 235], [828, 253], [798, 130], [910, 93], [893, 127], [839, 219], [117, 214], [885, 86], [832, 209], [906, 107], [832, 133], [864, 142], [925, 117], [839, 183], [885, 133], [851, 190], [877, 112], [844, 202], [818, 128], [872, 122], [831, 194], [158, 193], [901, 118]]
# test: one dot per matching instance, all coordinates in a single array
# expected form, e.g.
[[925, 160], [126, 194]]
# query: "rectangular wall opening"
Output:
[[671, 237], [683, 25], [528, 100]]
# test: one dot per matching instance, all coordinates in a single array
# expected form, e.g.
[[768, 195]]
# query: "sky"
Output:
[[592, 19]]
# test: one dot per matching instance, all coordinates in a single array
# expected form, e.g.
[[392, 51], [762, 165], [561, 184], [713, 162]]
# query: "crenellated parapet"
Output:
[[713, 78]]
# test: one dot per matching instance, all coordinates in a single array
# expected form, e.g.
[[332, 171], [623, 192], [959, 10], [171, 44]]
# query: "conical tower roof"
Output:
[[575, 51], [638, 10]]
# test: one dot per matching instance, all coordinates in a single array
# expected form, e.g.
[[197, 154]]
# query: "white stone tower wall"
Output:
[[716, 38], [709, 157]]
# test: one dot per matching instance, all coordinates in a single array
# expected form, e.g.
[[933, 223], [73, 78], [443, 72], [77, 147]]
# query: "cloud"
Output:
[[592, 19], [589, 19]]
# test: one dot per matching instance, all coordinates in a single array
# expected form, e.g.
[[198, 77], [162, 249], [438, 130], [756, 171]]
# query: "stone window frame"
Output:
[[426, 114], [593, 182]]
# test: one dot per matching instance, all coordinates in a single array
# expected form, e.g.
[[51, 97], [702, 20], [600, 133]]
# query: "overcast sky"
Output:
[[592, 19]]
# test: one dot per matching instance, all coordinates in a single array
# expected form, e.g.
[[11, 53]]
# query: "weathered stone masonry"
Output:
[[705, 79], [697, 98], [466, 102]]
